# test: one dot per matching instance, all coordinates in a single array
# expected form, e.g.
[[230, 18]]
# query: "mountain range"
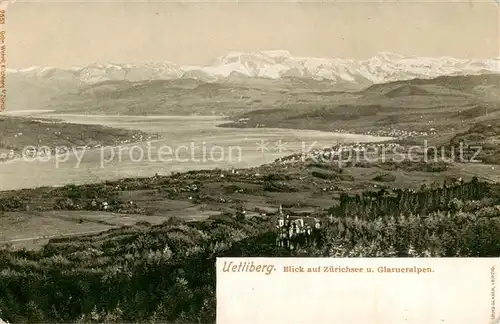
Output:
[[381, 68]]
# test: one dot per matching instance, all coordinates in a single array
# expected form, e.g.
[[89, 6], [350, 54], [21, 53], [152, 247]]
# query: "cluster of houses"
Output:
[[338, 150], [399, 133], [140, 137]]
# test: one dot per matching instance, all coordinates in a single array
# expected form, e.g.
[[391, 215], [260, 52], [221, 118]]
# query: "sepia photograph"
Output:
[[149, 147]]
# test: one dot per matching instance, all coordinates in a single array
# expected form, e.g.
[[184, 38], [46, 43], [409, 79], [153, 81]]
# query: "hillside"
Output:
[[442, 104], [185, 96], [17, 134], [481, 143]]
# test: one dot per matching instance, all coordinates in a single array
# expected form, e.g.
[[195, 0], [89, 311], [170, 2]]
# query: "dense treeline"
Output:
[[166, 273], [371, 205], [454, 220], [439, 234]]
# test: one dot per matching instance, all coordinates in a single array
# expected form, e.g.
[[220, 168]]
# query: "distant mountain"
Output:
[[383, 67]]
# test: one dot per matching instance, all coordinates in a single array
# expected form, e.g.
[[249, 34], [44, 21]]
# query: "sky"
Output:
[[71, 33]]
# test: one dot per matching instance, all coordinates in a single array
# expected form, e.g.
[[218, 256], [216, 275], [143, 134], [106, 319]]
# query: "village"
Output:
[[347, 152], [393, 132]]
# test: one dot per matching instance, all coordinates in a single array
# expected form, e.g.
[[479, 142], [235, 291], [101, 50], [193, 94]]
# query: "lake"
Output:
[[187, 143]]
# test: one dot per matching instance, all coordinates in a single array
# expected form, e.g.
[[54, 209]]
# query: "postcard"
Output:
[[240, 162]]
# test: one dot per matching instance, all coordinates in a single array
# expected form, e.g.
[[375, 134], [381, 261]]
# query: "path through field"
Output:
[[31, 231]]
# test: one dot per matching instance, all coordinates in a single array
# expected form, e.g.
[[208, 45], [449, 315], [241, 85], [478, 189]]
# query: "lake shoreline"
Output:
[[178, 136]]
